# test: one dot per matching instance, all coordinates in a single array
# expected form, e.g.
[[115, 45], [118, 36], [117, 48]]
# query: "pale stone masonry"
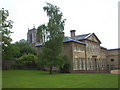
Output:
[[113, 56], [84, 52], [31, 37]]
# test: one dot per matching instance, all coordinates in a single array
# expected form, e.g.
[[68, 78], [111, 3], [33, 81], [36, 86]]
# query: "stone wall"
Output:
[[67, 49], [113, 59], [31, 37], [7, 64]]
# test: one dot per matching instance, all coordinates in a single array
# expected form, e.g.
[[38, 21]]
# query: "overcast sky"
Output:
[[84, 16]]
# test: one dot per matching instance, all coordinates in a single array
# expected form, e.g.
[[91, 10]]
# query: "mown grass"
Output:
[[41, 79], [0, 79]]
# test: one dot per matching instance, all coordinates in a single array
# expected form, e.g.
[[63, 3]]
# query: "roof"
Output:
[[103, 47], [76, 39], [85, 36], [68, 39], [39, 45], [114, 49], [81, 37]]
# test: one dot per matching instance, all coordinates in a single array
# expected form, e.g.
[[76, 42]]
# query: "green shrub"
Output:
[[26, 61]]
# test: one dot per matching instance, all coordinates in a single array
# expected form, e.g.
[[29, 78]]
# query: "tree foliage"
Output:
[[24, 47], [41, 34], [26, 61], [54, 32], [11, 52], [5, 26], [27, 58]]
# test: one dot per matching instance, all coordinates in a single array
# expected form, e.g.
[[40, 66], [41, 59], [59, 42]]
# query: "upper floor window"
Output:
[[77, 48], [98, 49], [91, 47]]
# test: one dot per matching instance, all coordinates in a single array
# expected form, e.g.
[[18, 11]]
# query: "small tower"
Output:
[[31, 36]]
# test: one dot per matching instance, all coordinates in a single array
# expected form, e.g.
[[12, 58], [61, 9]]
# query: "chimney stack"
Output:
[[72, 33]]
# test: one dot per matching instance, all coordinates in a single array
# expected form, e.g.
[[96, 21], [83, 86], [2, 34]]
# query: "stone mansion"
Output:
[[84, 52]]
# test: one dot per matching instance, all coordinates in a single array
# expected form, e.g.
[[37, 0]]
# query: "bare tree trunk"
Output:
[[50, 69]]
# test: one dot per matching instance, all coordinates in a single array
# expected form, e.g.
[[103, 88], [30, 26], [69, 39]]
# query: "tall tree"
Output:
[[5, 26], [52, 47]]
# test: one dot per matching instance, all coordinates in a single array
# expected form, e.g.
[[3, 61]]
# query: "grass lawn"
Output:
[[41, 79], [0, 79]]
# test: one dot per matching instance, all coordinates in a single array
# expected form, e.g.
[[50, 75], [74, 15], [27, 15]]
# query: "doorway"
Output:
[[94, 62]]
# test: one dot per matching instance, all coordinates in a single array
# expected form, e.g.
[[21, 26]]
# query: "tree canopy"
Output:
[[53, 32], [5, 26], [24, 47]]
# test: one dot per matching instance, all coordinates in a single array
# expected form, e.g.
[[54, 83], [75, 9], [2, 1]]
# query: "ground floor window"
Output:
[[89, 64], [75, 64], [79, 64], [92, 64], [84, 64]]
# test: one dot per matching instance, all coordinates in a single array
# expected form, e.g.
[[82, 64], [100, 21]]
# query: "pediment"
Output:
[[94, 38]]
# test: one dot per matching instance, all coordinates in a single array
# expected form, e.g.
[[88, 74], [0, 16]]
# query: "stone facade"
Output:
[[31, 37], [113, 56], [85, 53]]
